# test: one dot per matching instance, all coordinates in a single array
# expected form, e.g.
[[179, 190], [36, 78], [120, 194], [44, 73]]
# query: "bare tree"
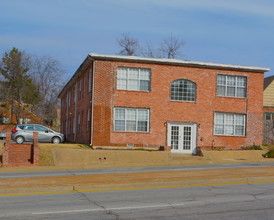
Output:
[[171, 47], [149, 50], [129, 45], [49, 79]]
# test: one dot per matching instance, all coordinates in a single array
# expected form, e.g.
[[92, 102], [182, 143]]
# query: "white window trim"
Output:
[[148, 120], [182, 100], [234, 115], [236, 86], [127, 79]]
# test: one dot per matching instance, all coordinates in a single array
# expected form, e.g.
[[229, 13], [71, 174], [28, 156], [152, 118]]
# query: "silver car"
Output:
[[24, 133], [2, 135]]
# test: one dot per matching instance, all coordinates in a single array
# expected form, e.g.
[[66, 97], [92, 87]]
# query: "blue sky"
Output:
[[237, 32]]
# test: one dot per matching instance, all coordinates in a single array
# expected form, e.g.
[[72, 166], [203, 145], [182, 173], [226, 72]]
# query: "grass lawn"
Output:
[[46, 156]]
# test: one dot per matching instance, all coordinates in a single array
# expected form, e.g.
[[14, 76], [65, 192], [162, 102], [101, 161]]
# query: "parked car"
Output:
[[24, 133], [2, 135]]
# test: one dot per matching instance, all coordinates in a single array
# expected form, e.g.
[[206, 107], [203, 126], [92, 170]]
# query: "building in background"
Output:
[[135, 101], [268, 110]]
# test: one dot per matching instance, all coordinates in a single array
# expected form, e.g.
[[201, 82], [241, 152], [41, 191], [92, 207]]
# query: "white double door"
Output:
[[182, 137]]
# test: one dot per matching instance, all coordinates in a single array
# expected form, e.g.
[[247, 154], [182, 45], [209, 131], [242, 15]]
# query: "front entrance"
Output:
[[182, 137]]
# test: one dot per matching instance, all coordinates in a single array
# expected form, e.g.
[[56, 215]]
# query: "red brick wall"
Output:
[[20, 154], [163, 110], [72, 108]]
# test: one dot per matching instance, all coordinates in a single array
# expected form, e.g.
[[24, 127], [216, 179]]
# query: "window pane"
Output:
[[131, 114], [219, 118], [231, 91], [183, 90], [122, 73], [121, 84], [219, 129], [232, 86], [221, 90], [241, 81], [267, 116], [136, 79], [241, 92], [144, 85], [133, 73], [131, 125], [239, 130], [144, 74], [228, 130], [239, 119], [133, 84], [229, 119], [142, 125], [119, 114], [221, 80], [119, 125], [130, 119], [231, 81], [142, 115], [229, 124]]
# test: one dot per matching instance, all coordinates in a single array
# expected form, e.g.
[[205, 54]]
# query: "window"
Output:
[[131, 119], [88, 119], [28, 127], [269, 116], [231, 86], [135, 79], [40, 128], [75, 93], [90, 80], [229, 124], [183, 90]]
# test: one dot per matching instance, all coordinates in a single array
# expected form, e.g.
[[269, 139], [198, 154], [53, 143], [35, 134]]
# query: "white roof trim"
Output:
[[178, 62]]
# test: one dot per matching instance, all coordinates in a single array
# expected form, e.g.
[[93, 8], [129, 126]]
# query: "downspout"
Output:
[[92, 104]]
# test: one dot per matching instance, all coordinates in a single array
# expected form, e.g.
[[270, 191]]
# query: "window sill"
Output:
[[231, 97], [182, 101], [224, 135], [124, 90], [130, 132]]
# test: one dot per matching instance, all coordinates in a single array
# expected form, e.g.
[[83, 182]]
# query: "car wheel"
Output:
[[19, 140], [56, 140]]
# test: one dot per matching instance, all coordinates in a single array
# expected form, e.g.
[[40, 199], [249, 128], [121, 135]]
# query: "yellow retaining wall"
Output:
[[74, 157], [250, 155]]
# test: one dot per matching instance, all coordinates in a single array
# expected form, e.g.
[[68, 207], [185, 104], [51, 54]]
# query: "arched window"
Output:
[[183, 90]]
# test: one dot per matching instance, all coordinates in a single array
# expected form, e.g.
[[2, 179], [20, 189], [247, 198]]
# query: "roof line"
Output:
[[178, 62]]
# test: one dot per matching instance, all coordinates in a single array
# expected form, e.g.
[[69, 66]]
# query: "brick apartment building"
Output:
[[135, 101]]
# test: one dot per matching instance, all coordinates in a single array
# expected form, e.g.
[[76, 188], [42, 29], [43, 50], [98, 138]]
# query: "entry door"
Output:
[[182, 138]]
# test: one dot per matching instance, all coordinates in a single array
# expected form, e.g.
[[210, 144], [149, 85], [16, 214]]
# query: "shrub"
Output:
[[252, 147], [269, 154]]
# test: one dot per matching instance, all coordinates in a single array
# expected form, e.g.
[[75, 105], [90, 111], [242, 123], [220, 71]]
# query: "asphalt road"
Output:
[[233, 202], [28, 174]]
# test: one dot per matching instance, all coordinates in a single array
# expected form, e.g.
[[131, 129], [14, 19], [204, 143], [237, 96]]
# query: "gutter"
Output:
[[92, 105]]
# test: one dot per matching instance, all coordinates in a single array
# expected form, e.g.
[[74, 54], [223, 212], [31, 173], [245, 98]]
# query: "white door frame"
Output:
[[181, 137]]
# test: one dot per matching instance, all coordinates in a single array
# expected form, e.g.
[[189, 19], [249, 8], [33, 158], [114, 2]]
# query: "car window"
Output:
[[40, 128], [21, 126], [28, 127]]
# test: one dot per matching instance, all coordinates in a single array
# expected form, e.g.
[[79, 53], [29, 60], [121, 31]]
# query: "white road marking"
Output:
[[111, 209]]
